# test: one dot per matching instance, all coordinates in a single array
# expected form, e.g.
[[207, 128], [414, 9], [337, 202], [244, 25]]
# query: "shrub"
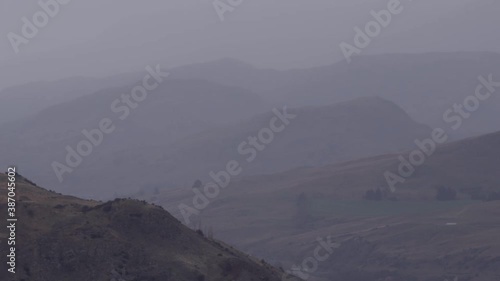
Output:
[[446, 194], [374, 195]]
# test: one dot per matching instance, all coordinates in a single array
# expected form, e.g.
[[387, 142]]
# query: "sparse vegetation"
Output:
[[197, 184], [483, 194], [120, 240], [445, 193], [374, 195], [302, 217]]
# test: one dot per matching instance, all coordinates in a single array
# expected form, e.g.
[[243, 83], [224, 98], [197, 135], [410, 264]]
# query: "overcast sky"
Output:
[[103, 37]]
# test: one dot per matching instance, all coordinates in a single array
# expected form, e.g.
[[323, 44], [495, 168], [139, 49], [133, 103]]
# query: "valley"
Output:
[[346, 140]]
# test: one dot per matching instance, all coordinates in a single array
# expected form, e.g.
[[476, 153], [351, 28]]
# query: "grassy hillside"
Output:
[[408, 235]]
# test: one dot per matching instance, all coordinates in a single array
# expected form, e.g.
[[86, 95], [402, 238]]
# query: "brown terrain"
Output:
[[65, 238], [405, 235]]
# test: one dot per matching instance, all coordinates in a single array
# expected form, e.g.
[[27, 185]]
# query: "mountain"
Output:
[[410, 234], [315, 136], [424, 85], [22, 101], [66, 238], [176, 109], [266, 82]]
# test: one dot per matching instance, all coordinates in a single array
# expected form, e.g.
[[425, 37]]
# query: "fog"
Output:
[[96, 38], [223, 140], [284, 52]]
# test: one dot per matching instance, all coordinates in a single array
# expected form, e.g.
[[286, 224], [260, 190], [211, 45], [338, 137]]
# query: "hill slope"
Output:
[[66, 238], [405, 236]]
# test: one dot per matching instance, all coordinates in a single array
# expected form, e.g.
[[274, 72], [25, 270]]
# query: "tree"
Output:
[[303, 209], [369, 195], [446, 194], [374, 195], [493, 196], [197, 184]]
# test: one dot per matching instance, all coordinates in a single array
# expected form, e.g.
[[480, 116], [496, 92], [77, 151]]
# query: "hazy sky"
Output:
[[104, 37], [83, 21]]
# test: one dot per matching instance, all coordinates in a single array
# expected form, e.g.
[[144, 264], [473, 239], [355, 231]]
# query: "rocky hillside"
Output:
[[66, 238]]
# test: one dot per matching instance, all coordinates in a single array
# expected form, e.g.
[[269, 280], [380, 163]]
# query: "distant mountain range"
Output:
[[316, 136], [424, 85], [194, 122], [177, 109], [29, 99]]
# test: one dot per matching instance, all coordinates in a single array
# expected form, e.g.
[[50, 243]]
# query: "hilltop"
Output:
[[66, 238]]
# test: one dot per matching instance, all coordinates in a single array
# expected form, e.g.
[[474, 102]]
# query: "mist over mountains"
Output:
[[424, 85], [195, 121], [176, 158], [144, 37], [267, 220], [250, 140]]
